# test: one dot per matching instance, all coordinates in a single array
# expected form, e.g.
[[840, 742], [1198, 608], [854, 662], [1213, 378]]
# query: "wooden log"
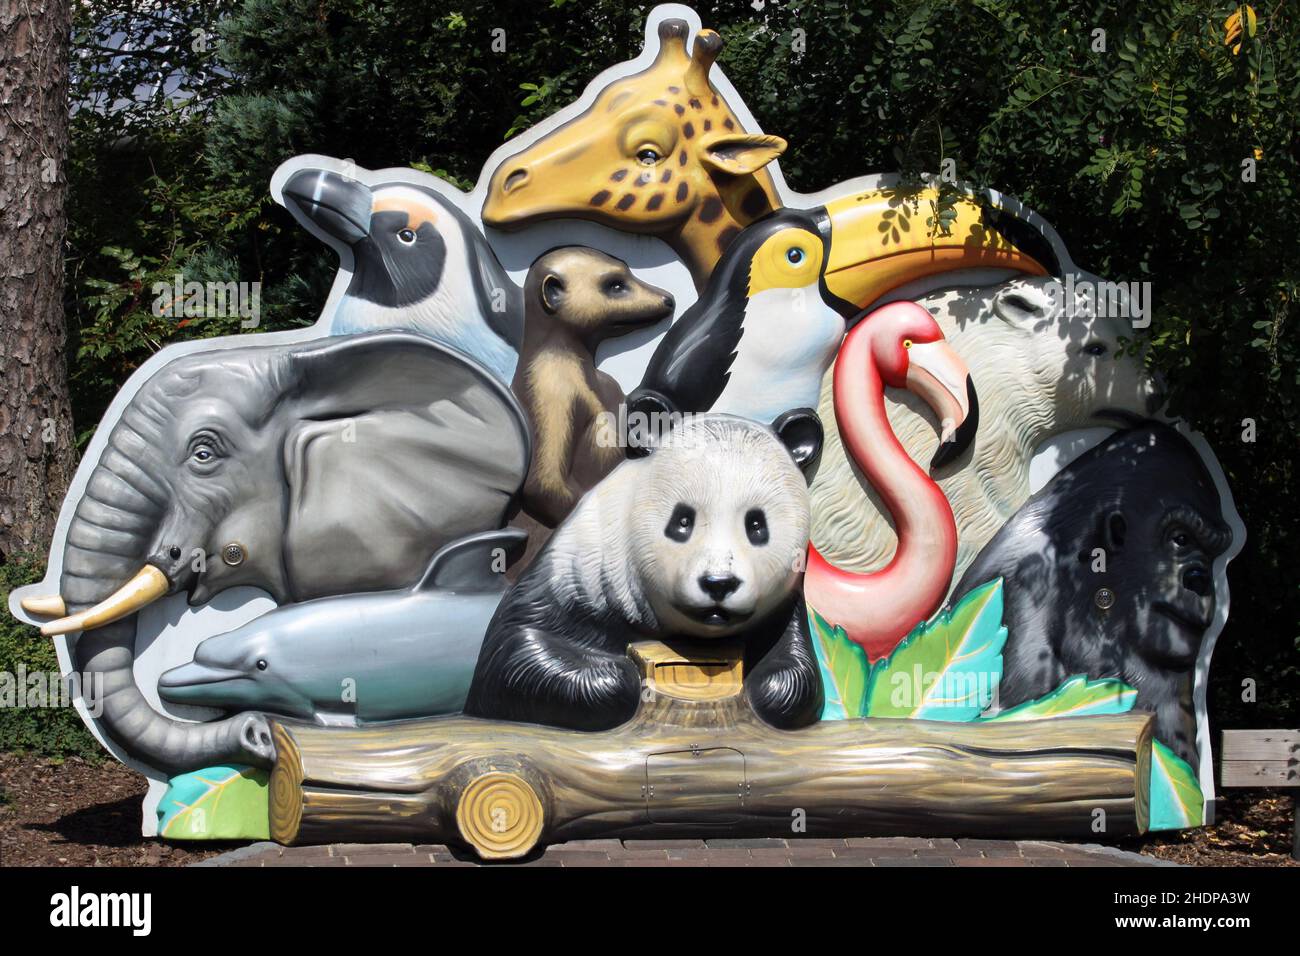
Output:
[[698, 762]]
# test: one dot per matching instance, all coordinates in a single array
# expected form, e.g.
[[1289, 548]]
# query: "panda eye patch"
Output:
[[756, 527], [681, 523]]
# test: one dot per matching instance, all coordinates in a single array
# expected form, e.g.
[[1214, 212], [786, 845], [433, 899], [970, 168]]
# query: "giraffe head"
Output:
[[659, 153]]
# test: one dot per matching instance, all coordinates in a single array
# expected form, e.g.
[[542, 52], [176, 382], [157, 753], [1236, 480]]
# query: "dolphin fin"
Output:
[[474, 563]]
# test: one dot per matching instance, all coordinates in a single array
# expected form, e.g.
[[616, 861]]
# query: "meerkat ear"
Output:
[[552, 293], [740, 154], [800, 430]]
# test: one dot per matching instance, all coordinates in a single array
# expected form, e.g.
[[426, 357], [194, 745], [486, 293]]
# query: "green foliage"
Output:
[[56, 732], [217, 803], [1135, 153], [1176, 799], [948, 668], [1077, 697], [844, 669]]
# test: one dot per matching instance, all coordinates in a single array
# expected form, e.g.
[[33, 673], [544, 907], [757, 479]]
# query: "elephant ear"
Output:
[[400, 444]]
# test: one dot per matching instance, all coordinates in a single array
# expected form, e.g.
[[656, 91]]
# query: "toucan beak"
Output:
[[338, 206], [938, 375], [880, 240]]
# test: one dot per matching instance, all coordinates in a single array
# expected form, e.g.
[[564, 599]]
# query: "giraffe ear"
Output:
[[740, 154]]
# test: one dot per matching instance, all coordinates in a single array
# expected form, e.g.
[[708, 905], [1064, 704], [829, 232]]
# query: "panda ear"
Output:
[[649, 418], [552, 293], [800, 430]]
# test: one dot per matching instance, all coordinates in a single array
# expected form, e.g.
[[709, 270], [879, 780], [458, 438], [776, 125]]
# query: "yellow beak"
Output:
[[880, 240]]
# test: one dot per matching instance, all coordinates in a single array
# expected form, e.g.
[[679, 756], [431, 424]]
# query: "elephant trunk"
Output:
[[107, 553]]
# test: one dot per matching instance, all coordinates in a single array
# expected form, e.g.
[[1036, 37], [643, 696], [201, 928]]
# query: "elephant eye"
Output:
[[203, 454], [407, 236], [681, 523]]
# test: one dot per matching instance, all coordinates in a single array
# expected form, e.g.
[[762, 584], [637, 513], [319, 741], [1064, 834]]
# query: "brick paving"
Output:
[[852, 851]]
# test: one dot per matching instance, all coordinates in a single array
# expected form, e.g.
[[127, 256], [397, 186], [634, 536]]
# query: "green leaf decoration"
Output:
[[217, 803], [1176, 799], [949, 667], [844, 669], [1077, 697]]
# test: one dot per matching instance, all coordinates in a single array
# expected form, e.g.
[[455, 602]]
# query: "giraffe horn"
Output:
[[672, 39], [708, 44]]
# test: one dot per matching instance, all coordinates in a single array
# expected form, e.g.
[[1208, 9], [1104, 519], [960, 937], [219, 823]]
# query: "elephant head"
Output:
[[306, 469]]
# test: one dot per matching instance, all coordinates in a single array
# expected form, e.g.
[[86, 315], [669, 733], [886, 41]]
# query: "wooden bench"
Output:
[[1263, 758]]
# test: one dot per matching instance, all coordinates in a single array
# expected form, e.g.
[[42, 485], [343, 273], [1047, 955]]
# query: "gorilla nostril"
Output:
[[516, 179], [1197, 580], [718, 586]]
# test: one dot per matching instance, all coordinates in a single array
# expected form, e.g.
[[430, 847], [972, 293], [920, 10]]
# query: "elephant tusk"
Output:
[[46, 605], [148, 585]]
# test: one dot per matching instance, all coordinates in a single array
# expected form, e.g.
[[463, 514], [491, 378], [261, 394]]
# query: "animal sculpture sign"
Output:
[[410, 573]]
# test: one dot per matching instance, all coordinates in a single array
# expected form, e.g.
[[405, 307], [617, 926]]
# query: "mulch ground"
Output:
[[56, 813]]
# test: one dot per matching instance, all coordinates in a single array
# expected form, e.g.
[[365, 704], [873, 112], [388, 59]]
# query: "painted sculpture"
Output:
[[417, 261], [576, 298], [817, 583], [699, 540], [377, 655], [899, 345], [1114, 557], [256, 466], [1043, 368]]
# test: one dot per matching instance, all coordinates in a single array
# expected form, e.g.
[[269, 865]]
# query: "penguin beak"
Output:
[[938, 375], [337, 206], [880, 240]]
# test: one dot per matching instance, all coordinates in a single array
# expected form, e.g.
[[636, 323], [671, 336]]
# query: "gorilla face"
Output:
[[1159, 559]]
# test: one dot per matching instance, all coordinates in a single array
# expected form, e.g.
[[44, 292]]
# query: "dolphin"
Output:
[[378, 655]]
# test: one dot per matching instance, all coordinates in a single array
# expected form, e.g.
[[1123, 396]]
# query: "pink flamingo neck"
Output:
[[880, 608]]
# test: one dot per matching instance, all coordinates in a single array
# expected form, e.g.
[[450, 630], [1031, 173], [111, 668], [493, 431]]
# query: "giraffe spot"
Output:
[[661, 102], [708, 125], [681, 158], [688, 129], [727, 237], [679, 109], [674, 90], [695, 104], [728, 123], [715, 101], [654, 202], [644, 178], [600, 198], [619, 176], [711, 209], [681, 191], [668, 174], [754, 203], [626, 202]]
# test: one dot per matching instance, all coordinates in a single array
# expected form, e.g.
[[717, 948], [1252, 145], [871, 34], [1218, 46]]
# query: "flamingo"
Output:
[[898, 345]]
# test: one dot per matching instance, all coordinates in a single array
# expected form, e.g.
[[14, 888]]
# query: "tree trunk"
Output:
[[695, 761], [36, 442]]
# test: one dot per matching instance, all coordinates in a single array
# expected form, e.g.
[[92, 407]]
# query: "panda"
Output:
[[704, 538]]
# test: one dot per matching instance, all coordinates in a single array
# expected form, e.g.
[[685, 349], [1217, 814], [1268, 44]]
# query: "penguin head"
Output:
[[398, 233]]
